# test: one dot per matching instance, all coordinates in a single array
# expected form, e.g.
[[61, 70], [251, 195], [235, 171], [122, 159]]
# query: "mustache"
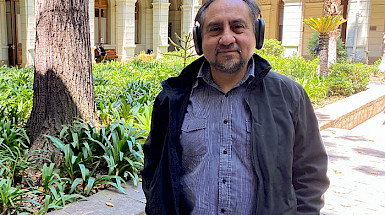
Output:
[[224, 48]]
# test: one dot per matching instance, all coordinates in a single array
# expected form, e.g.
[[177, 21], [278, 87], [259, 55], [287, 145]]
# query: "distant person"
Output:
[[100, 53], [229, 136], [316, 50]]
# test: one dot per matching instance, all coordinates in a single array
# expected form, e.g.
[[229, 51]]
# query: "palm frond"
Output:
[[325, 24]]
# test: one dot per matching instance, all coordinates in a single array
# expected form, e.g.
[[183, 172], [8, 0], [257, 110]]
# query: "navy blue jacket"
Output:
[[288, 154]]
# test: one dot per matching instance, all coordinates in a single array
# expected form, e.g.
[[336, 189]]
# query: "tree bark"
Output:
[[333, 8], [63, 84], [381, 67], [332, 50], [323, 53]]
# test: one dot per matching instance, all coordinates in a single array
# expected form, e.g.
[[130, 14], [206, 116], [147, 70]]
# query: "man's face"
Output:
[[228, 39]]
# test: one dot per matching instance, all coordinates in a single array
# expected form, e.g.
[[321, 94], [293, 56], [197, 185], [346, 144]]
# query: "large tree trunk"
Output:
[[63, 84], [332, 50], [323, 53], [333, 8], [381, 67]]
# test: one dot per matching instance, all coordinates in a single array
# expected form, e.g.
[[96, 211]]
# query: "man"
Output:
[[229, 136]]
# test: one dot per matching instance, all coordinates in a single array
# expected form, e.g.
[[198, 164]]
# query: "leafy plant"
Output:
[[12, 135], [13, 197], [16, 97], [58, 198], [14, 163], [183, 48], [144, 57], [14, 159], [122, 147], [271, 47], [84, 148], [143, 119], [88, 182], [348, 78]]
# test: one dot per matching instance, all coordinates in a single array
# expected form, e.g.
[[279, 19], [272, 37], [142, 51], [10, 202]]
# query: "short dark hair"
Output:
[[255, 12]]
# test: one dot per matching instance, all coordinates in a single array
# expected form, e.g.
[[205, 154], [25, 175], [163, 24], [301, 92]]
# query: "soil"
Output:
[[327, 101]]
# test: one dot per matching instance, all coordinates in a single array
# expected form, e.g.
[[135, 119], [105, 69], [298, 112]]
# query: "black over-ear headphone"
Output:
[[259, 31]]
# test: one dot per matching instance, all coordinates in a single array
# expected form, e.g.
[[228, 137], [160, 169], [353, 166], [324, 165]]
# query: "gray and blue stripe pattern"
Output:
[[218, 176]]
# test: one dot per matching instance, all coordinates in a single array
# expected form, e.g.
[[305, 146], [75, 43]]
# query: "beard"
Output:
[[230, 64]]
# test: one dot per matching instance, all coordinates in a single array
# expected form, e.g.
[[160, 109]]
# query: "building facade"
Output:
[[132, 26]]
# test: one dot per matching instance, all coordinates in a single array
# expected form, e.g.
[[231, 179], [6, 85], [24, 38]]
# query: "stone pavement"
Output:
[[108, 202], [356, 169], [356, 163]]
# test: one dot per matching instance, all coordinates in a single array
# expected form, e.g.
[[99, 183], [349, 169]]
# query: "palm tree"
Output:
[[324, 26], [332, 8]]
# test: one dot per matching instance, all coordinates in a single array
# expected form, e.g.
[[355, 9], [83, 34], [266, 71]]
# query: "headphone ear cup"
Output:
[[197, 39], [259, 33]]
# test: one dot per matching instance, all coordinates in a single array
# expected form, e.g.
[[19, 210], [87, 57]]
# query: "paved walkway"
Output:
[[108, 202], [356, 169]]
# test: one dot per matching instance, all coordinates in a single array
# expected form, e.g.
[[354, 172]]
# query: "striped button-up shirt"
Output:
[[218, 175]]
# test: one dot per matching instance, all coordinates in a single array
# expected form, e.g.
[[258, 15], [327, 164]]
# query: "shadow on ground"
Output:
[[370, 152], [370, 171]]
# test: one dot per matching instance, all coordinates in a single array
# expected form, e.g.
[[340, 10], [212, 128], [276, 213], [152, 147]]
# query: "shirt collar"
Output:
[[205, 74]]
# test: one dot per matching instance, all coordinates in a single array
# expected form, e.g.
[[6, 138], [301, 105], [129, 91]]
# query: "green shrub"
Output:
[[16, 93], [271, 47], [349, 78]]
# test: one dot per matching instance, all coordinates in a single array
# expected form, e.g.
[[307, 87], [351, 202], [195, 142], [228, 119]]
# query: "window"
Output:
[[101, 22], [12, 18]]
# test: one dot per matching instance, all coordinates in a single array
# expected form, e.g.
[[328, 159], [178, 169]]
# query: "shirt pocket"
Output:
[[193, 140]]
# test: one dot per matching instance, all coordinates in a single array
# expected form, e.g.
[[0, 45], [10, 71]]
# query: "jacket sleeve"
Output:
[[153, 146], [310, 159]]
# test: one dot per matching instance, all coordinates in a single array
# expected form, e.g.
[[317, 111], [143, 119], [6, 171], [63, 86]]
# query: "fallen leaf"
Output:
[[109, 204], [374, 173], [137, 191], [41, 189], [359, 152], [337, 172]]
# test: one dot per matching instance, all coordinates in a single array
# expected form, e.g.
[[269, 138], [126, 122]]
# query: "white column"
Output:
[[125, 20], [358, 30], [28, 26], [292, 26], [145, 27], [91, 14], [189, 11], [160, 26], [3, 35], [149, 29]]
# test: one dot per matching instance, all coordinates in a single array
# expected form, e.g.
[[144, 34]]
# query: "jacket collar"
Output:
[[189, 74]]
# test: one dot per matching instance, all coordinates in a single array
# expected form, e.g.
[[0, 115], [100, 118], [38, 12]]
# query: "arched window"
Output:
[[101, 22], [12, 10], [137, 39]]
